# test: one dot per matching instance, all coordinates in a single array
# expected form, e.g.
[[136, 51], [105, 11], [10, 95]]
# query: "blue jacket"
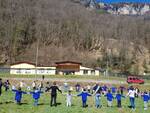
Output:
[[36, 94], [119, 96], [113, 89], [146, 97], [18, 95], [84, 95], [109, 96]]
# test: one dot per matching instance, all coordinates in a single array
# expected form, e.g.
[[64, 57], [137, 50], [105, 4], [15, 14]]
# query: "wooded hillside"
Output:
[[68, 31]]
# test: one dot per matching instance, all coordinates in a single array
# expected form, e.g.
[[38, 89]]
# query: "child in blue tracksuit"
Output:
[[36, 95], [84, 95], [146, 98], [113, 89], [109, 98], [118, 98], [18, 95]]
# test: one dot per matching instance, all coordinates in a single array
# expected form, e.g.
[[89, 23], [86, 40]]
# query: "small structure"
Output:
[[67, 67], [74, 68]]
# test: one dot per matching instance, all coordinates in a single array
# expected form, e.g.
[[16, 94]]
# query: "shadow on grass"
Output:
[[24, 103], [41, 104], [7, 102], [58, 104]]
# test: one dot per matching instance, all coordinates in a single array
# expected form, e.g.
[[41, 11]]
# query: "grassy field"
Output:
[[7, 75], [85, 77], [8, 106]]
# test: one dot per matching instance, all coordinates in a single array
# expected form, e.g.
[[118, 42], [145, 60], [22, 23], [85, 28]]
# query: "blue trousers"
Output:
[[132, 102], [83, 103]]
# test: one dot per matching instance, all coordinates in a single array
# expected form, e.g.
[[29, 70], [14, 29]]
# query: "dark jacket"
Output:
[[54, 90], [1, 84]]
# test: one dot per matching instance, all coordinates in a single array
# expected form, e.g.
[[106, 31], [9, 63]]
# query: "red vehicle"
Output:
[[134, 79]]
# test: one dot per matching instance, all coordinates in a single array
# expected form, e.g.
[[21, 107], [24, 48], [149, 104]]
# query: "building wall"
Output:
[[87, 71], [25, 68], [22, 71], [46, 70]]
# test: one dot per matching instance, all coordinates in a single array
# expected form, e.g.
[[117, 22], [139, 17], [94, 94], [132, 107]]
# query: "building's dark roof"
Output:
[[73, 62]]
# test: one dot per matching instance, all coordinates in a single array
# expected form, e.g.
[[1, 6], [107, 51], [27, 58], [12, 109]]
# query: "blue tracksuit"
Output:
[[113, 89], [18, 95], [36, 96], [146, 97], [118, 98], [84, 95], [109, 96]]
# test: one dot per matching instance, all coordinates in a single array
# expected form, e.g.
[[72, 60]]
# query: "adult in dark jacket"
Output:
[[54, 90], [1, 84]]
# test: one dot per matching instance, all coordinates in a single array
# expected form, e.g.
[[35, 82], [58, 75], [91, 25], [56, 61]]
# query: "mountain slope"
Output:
[[68, 31]]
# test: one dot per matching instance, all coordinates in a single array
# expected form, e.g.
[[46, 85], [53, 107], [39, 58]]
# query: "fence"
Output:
[[125, 75]]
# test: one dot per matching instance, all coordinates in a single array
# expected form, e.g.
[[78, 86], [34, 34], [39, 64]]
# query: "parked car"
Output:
[[135, 79]]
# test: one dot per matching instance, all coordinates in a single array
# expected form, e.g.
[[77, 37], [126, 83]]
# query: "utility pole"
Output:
[[107, 62], [37, 54]]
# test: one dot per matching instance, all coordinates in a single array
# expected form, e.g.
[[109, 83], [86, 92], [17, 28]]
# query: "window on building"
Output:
[[28, 71], [85, 72], [18, 71], [41, 71], [93, 72]]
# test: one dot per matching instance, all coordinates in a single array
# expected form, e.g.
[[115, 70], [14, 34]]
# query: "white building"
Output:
[[30, 68], [62, 68], [87, 71]]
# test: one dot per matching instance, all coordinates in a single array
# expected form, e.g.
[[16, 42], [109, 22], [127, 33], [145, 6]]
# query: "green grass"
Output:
[[62, 76], [44, 107]]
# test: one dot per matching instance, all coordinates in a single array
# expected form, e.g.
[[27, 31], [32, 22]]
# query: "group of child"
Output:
[[97, 92]]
